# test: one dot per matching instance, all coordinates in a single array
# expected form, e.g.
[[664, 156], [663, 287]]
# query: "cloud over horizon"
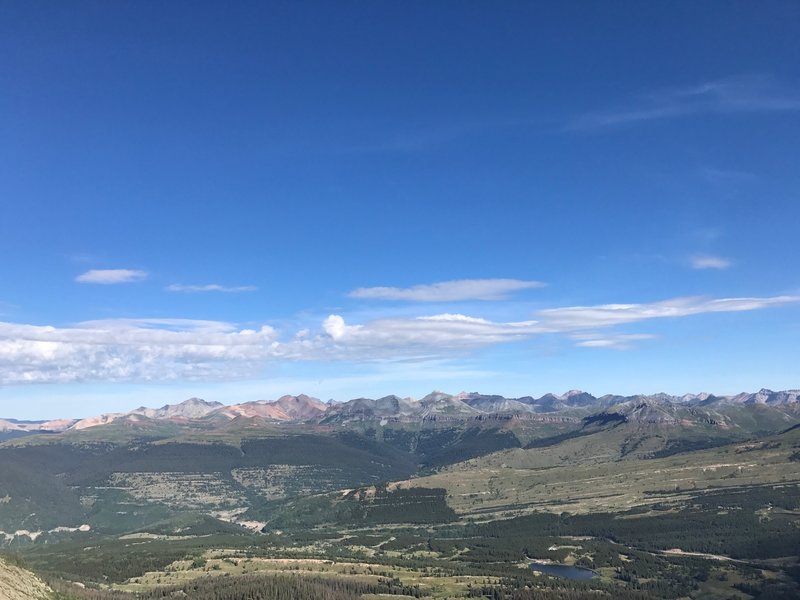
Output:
[[130, 350], [408, 335], [163, 350]]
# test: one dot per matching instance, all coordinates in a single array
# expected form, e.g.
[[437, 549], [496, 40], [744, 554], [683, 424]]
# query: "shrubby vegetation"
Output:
[[247, 587], [363, 506], [721, 522]]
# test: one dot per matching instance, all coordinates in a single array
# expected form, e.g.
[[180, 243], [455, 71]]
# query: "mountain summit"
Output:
[[193, 408]]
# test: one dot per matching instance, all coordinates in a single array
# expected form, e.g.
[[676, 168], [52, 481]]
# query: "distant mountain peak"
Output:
[[300, 407], [435, 396], [437, 405], [191, 408], [767, 396], [196, 400]]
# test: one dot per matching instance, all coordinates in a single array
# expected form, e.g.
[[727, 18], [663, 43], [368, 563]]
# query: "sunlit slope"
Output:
[[591, 474], [17, 583]]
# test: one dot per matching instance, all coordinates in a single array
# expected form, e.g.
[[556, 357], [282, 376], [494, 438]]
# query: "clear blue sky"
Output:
[[240, 200]]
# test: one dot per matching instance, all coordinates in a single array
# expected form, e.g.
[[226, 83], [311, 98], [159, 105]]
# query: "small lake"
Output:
[[567, 571]]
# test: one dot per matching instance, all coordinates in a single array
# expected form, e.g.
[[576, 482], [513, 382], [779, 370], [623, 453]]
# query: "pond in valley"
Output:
[[567, 571]]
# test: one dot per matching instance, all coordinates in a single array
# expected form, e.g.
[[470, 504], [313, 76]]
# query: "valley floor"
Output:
[[443, 512]]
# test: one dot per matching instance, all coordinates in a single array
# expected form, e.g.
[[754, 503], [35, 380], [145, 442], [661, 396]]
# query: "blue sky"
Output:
[[241, 200]]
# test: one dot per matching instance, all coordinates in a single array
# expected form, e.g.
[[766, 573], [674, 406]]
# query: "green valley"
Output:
[[657, 497]]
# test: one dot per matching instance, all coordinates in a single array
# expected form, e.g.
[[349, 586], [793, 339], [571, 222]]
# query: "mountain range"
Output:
[[436, 406]]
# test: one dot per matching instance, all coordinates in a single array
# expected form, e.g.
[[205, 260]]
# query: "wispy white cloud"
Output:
[[622, 341], [417, 139], [726, 177], [152, 324], [609, 315], [748, 94], [163, 350], [210, 287], [83, 258], [449, 291], [420, 137], [705, 261], [445, 331], [111, 276]]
